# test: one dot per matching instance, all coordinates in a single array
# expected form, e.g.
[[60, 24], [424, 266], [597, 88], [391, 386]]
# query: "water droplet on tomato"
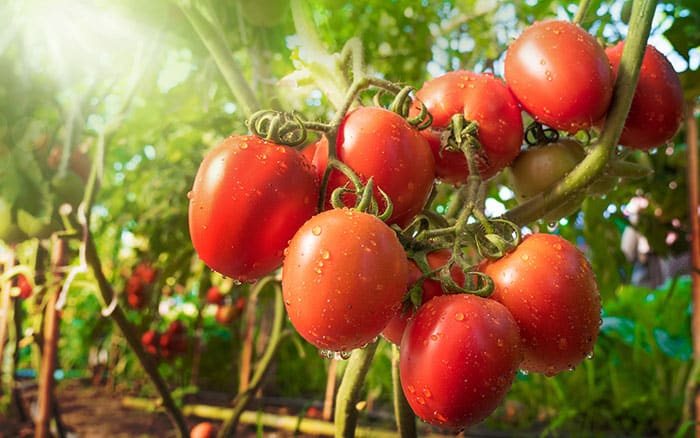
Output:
[[459, 316], [524, 372], [525, 257], [190, 194], [427, 393], [325, 254], [316, 231], [420, 400], [411, 389], [590, 355], [244, 146]]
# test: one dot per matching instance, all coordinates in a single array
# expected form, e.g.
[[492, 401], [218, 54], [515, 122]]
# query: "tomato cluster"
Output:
[[167, 344], [138, 285], [23, 285], [344, 216]]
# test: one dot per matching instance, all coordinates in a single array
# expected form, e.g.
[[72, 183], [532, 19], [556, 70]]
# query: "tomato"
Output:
[[24, 286], [459, 356], [560, 75], [379, 143], [343, 279], [657, 106], [225, 313], [431, 288], [203, 430], [537, 169], [481, 98], [549, 287], [214, 295], [249, 197], [150, 340]]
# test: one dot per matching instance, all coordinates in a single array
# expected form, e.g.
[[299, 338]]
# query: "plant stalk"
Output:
[[405, 418], [346, 413]]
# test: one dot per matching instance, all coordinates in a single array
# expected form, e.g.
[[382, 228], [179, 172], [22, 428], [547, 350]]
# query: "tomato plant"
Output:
[[657, 106], [343, 279], [430, 288], [549, 287], [480, 98], [560, 75], [459, 356], [379, 143], [249, 197]]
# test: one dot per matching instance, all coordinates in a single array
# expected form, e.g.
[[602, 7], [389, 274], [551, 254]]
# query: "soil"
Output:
[[91, 412]]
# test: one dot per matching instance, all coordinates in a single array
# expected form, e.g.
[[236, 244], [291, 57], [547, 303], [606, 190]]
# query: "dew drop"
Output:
[[325, 254], [190, 194], [525, 257], [552, 226], [590, 355], [420, 400], [427, 393], [524, 372], [459, 316], [411, 389], [316, 231], [244, 146]]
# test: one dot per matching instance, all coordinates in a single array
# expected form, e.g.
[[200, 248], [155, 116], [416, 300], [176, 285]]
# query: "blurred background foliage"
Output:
[[140, 78]]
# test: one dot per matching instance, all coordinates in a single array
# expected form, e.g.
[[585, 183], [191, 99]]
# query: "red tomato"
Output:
[[203, 430], [343, 279], [657, 107], [431, 288], [248, 199], [25, 287], [459, 356], [560, 75], [225, 313], [145, 272], [214, 295], [549, 287], [150, 340], [379, 143], [481, 98]]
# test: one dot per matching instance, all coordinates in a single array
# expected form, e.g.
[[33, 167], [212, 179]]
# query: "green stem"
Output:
[[215, 42], [405, 418], [597, 159], [581, 11], [228, 429], [349, 391]]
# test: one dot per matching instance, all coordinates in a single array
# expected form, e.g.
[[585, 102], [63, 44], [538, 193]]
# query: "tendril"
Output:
[[536, 134], [496, 237], [278, 127]]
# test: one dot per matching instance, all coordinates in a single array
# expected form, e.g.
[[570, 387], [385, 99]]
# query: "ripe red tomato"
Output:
[[560, 75], [481, 98], [379, 143], [203, 430], [225, 313], [248, 199], [549, 287], [343, 278], [150, 340], [657, 107], [214, 295], [459, 356], [431, 288], [25, 287]]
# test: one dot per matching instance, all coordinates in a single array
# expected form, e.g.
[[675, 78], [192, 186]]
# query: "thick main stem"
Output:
[[346, 413], [596, 160]]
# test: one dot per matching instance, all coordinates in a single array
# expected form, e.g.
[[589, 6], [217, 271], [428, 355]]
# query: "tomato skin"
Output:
[[459, 356], [203, 430], [549, 287], [343, 278], [379, 143], [249, 197], [560, 75], [482, 98], [393, 332], [538, 168], [656, 112]]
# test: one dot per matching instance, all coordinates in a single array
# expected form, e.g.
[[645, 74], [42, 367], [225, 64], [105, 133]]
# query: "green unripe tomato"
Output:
[[538, 168]]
